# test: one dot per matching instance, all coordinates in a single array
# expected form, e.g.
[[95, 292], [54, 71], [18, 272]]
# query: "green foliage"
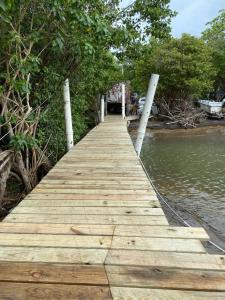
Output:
[[21, 141], [44, 42], [214, 35], [185, 67]]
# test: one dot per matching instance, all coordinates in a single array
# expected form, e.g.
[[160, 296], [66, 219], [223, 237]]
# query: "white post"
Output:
[[68, 115], [102, 110], [146, 112], [123, 100]]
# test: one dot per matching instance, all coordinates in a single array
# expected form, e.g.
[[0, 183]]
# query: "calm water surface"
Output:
[[190, 171]]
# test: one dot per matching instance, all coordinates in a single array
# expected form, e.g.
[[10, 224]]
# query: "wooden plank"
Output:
[[84, 203], [98, 192], [166, 278], [84, 241], [53, 255], [120, 293], [88, 219], [40, 291], [96, 157], [157, 244], [71, 175], [166, 259], [71, 229], [53, 273], [93, 173], [99, 156], [135, 211], [48, 240], [104, 163], [104, 197], [100, 182], [164, 231], [88, 186]]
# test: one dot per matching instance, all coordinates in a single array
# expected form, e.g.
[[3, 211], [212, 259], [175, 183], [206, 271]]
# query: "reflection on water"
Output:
[[190, 171]]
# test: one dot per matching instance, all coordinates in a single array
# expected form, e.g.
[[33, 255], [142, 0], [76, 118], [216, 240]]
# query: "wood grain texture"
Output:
[[157, 244], [38, 291], [120, 293], [89, 203], [166, 278], [65, 229], [164, 231], [53, 255], [49, 240], [166, 259], [133, 211], [105, 196], [53, 273], [87, 219]]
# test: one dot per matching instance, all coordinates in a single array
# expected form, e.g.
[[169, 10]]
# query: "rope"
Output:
[[169, 206]]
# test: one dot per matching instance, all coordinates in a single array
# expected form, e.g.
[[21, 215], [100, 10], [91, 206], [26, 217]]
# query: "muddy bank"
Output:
[[162, 125]]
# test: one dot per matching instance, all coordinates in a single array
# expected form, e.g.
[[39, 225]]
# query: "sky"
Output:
[[192, 14]]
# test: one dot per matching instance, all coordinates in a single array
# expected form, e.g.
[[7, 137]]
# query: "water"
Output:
[[190, 171]]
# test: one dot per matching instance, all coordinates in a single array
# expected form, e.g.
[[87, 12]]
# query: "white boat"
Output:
[[212, 107]]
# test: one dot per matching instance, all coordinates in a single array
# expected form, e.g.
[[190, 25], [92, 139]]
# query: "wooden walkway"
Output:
[[94, 229]]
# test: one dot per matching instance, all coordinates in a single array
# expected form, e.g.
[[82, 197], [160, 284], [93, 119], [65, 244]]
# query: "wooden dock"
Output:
[[94, 229]]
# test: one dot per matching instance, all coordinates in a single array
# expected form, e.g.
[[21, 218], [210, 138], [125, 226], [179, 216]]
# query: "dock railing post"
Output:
[[123, 100], [102, 109], [68, 115], [146, 112]]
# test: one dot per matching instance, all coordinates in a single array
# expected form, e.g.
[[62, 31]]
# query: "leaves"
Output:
[[185, 66], [20, 142], [44, 42], [214, 35]]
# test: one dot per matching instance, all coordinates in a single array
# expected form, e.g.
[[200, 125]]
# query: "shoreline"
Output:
[[156, 129], [156, 124]]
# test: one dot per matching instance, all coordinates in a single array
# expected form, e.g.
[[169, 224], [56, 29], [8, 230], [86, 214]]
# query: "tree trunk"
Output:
[[23, 171], [3, 181]]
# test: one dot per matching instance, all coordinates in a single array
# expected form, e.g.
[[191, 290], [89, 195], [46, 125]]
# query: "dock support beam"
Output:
[[102, 109], [68, 115], [146, 112], [123, 100]]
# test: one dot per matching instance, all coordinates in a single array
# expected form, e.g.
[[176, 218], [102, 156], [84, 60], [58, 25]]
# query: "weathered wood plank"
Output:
[[49, 181], [91, 203], [98, 192], [53, 255], [166, 278], [135, 211], [93, 173], [53, 273], [72, 175], [104, 242], [166, 259], [157, 244], [88, 186], [170, 232], [38, 291], [88, 219], [66, 229], [106, 196], [49, 240], [120, 293]]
